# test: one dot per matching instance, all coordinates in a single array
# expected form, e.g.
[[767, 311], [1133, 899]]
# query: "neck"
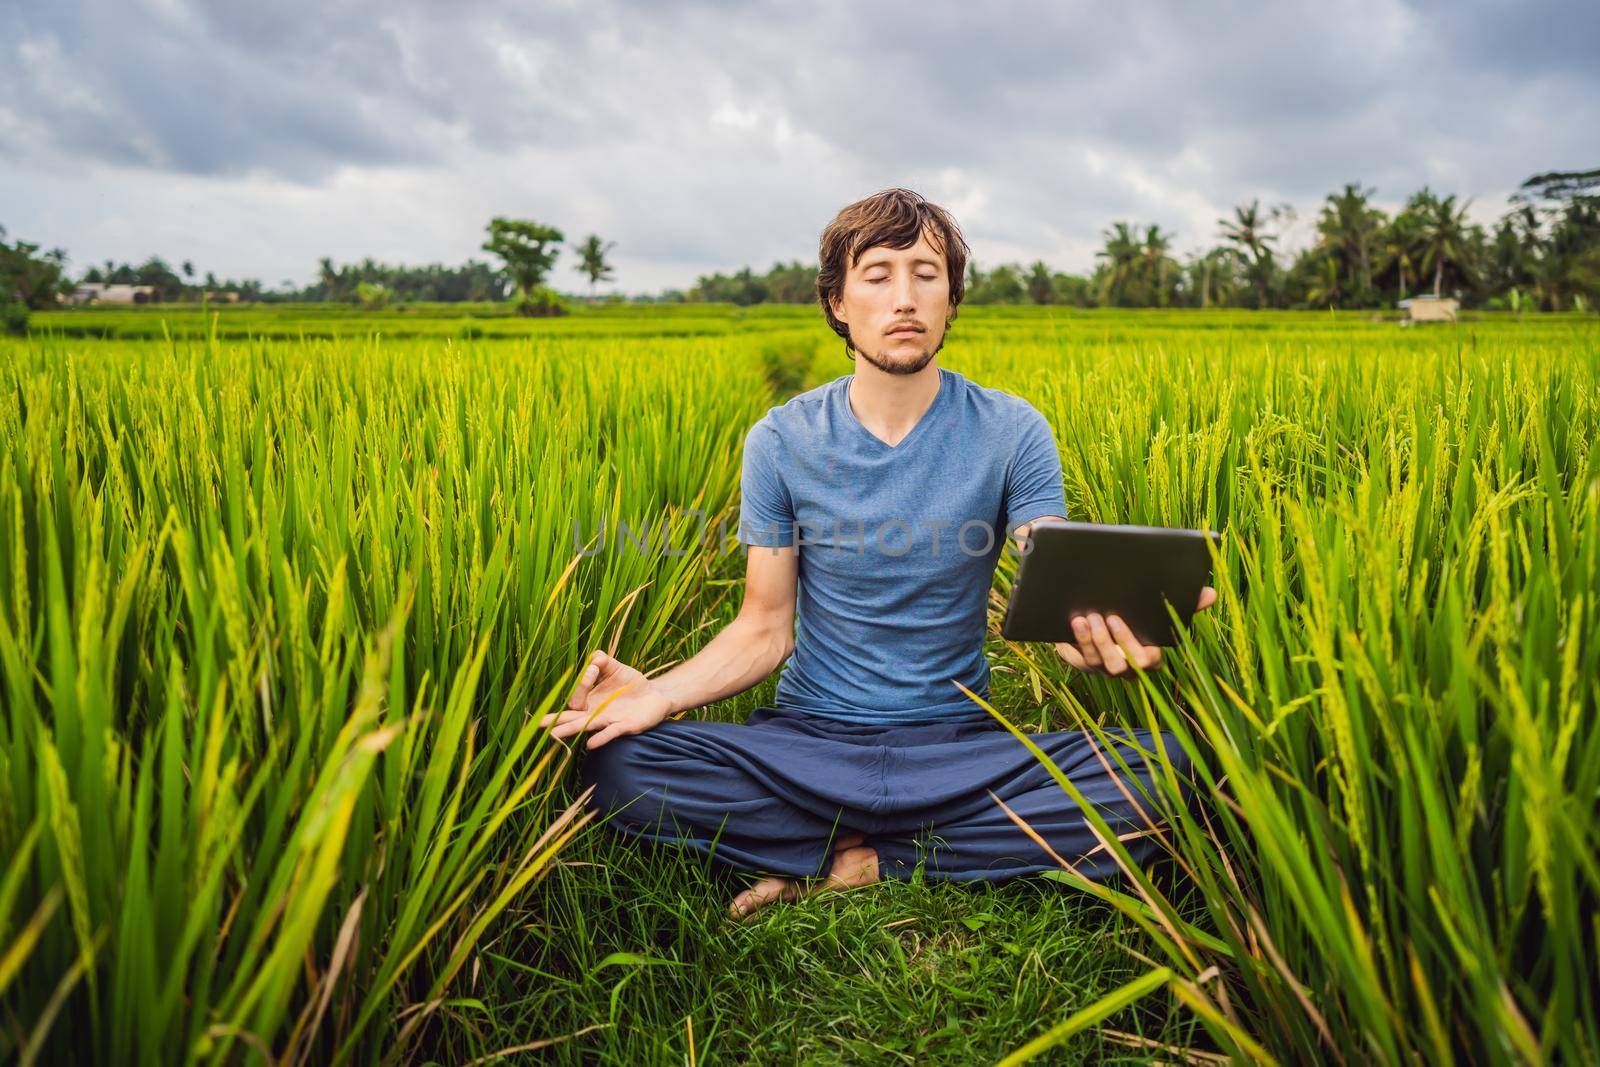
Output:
[[889, 405]]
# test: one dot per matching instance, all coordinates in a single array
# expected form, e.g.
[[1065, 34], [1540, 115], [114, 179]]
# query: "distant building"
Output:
[[221, 296], [101, 293], [1429, 308]]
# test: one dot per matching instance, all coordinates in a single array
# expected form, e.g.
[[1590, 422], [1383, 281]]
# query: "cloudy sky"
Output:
[[253, 138]]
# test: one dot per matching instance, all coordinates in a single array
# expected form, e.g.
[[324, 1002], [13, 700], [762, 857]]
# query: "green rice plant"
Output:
[[1391, 712], [278, 622], [282, 593]]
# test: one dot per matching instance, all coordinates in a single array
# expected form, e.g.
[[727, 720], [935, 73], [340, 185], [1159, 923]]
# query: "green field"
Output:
[[283, 592]]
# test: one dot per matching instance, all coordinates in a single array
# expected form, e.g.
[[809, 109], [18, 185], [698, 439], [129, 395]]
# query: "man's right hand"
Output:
[[611, 698]]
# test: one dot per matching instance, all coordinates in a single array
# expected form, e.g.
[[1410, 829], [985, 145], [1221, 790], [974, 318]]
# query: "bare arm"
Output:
[[749, 648], [612, 698]]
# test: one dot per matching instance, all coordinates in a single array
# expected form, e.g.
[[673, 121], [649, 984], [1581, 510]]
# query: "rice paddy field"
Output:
[[283, 594]]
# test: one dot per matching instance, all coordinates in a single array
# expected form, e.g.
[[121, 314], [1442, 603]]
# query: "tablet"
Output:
[[1073, 568]]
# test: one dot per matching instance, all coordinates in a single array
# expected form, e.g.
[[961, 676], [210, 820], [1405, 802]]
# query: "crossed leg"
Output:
[[802, 812]]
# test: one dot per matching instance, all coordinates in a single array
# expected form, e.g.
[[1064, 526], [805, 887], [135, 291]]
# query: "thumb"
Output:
[[1070, 653]]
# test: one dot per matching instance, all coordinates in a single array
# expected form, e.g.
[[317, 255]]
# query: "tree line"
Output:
[[527, 250], [1544, 253]]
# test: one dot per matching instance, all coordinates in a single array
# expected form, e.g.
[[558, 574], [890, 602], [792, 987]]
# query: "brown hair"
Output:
[[894, 218]]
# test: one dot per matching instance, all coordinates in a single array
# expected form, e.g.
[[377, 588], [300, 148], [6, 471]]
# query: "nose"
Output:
[[905, 298]]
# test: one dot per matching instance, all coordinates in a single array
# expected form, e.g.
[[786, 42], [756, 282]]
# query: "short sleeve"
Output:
[[766, 511], [1033, 479]]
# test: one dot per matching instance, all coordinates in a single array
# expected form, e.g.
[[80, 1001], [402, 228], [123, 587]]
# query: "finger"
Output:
[[1142, 656], [556, 718], [1069, 652], [1110, 655], [1208, 597], [586, 680], [579, 723], [616, 729], [1086, 648]]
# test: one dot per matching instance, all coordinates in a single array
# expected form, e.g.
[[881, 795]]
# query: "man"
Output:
[[870, 506]]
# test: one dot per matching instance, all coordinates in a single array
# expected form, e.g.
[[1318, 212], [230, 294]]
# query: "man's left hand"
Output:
[[1105, 645]]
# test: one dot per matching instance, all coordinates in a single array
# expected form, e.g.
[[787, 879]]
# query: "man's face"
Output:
[[896, 302]]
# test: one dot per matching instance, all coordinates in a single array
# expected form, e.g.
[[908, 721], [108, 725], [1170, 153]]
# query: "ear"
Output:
[[837, 306]]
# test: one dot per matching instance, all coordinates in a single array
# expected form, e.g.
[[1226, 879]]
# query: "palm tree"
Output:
[[1212, 276], [1120, 270], [1041, 287], [592, 260], [1397, 248], [327, 278], [1154, 262], [1445, 237], [1247, 231], [1325, 291], [1348, 226]]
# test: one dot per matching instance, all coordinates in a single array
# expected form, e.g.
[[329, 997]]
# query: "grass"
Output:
[[1393, 710], [281, 595], [278, 624], [627, 952]]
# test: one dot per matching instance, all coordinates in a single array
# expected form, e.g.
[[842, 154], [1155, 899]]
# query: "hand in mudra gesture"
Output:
[[1105, 645], [612, 699]]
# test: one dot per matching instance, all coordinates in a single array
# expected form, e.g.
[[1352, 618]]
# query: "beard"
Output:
[[891, 364]]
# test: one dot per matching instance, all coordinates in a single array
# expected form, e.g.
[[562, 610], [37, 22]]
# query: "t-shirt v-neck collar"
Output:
[[916, 431]]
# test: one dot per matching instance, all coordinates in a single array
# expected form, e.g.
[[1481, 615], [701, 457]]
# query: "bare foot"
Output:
[[764, 892], [854, 864]]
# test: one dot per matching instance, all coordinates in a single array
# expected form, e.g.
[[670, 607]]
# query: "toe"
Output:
[[761, 894]]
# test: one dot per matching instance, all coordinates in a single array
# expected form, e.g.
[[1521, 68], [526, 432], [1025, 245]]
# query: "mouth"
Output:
[[905, 331]]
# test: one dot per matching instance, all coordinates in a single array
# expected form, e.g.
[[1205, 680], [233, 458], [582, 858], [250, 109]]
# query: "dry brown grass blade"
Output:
[[1025, 828], [1116, 779], [1264, 939], [625, 608], [1166, 924], [1139, 1041], [531, 1046], [349, 931]]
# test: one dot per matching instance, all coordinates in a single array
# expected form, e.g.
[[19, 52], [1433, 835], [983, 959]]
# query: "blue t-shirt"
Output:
[[898, 544]]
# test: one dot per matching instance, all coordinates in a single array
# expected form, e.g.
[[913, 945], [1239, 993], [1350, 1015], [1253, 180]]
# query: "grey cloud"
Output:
[[728, 132], [292, 88], [1532, 38]]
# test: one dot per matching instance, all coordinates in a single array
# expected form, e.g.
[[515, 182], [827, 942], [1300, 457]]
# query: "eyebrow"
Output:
[[881, 262]]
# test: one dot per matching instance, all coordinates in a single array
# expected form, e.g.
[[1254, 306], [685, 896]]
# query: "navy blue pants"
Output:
[[770, 795]]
